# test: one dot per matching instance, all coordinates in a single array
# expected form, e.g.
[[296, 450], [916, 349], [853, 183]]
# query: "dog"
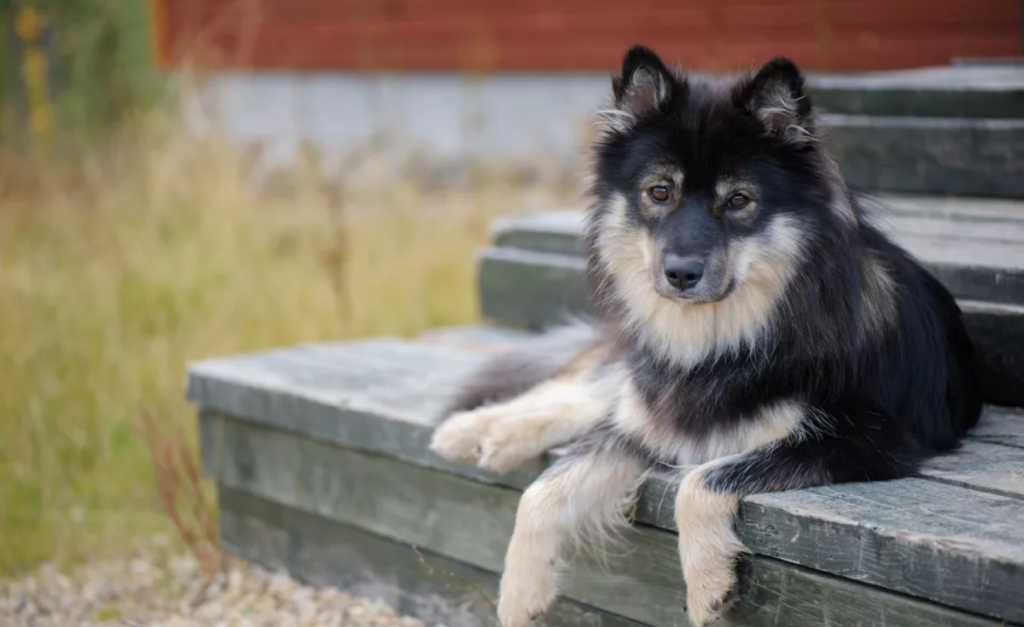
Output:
[[752, 325]]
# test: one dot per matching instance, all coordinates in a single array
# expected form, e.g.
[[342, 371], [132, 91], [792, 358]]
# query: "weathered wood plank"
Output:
[[416, 582], [929, 155], [982, 231], [519, 288], [382, 395], [470, 522], [955, 208], [558, 291], [323, 394], [997, 332], [967, 92], [476, 337], [1001, 426], [972, 269], [980, 465]]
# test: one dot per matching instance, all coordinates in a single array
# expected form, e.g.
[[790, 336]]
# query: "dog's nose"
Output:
[[683, 272]]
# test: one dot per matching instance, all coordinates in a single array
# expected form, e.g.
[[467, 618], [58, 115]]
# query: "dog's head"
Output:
[[706, 180], [707, 191]]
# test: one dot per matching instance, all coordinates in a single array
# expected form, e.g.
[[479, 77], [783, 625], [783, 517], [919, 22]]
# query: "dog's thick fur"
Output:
[[755, 327]]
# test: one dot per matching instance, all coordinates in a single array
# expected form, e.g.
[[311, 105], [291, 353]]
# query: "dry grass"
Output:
[[120, 266]]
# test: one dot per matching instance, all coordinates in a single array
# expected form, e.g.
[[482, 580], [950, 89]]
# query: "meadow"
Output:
[[125, 258]]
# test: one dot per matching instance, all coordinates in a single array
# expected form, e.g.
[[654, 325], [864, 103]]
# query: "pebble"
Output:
[[159, 591]]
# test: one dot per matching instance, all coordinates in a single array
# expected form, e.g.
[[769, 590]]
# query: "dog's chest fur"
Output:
[[691, 416]]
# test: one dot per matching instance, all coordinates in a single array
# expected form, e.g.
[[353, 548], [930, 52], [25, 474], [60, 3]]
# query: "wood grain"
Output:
[[383, 396], [470, 522]]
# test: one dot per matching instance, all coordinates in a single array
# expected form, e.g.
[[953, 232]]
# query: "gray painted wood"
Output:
[[383, 396], [977, 230], [470, 522], [416, 582], [947, 91], [966, 547], [1001, 426], [476, 337], [987, 267], [556, 288], [517, 288], [929, 155], [979, 465], [997, 332]]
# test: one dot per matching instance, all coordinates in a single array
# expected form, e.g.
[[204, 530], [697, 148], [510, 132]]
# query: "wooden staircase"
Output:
[[320, 451]]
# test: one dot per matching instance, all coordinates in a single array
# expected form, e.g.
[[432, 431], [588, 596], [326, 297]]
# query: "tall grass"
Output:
[[120, 264]]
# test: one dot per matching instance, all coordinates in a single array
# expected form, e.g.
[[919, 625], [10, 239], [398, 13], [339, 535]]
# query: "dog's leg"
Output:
[[581, 497], [855, 441], [502, 437]]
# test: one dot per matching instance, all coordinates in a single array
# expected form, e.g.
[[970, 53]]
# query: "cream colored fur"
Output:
[[708, 546], [687, 333], [502, 437], [879, 299], [585, 498]]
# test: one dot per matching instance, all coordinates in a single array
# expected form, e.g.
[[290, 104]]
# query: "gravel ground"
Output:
[[172, 592]]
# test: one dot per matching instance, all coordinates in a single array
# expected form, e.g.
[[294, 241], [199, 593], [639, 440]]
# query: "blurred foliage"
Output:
[[137, 247], [122, 262], [104, 64]]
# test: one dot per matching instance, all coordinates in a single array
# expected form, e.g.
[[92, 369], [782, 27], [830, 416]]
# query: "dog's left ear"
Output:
[[778, 98], [645, 83]]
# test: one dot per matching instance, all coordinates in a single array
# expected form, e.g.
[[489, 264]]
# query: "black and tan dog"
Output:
[[755, 324]]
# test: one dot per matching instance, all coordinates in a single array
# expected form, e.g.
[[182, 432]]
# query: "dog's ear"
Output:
[[778, 98], [644, 85]]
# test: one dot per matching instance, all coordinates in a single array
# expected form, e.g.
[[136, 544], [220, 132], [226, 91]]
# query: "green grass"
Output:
[[120, 265], [101, 62]]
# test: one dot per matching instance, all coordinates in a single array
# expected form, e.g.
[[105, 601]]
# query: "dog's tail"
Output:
[[516, 371]]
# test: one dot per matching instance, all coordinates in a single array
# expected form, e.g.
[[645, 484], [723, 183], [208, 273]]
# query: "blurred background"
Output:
[[188, 178]]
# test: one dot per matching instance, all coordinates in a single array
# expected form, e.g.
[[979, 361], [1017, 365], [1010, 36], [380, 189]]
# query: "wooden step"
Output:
[[975, 246], [320, 453], [533, 274], [975, 157], [993, 91]]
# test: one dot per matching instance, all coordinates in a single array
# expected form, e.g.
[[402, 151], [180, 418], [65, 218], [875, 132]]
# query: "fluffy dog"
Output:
[[754, 326]]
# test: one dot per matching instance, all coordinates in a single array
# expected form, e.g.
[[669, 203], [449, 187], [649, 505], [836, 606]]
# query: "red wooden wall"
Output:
[[490, 35]]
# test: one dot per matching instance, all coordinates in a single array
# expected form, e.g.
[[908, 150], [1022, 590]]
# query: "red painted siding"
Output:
[[581, 34]]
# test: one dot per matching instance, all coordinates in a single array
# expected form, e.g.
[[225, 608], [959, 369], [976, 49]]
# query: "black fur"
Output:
[[880, 399], [879, 396]]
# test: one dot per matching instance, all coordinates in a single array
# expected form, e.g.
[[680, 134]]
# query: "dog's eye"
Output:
[[738, 201], [658, 193]]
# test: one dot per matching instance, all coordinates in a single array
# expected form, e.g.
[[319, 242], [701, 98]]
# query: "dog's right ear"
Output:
[[645, 83]]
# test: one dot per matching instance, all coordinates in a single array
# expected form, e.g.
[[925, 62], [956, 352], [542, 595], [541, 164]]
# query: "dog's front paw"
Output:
[[525, 596], [458, 437], [708, 548], [512, 442], [497, 438], [710, 591]]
